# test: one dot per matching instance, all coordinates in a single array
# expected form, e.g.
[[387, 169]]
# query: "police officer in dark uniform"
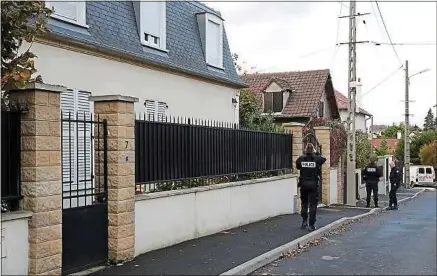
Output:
[[309, 166], [395, 182], [371, 175]]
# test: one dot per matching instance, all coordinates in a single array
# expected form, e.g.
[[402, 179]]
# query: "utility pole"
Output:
[[407, 128], [352, 77], [352, 95]]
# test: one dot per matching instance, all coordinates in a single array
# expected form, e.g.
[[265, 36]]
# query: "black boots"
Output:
[[304, 224], [311, 228]]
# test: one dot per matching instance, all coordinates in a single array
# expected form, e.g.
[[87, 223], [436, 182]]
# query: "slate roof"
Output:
[[307, 86], [113, 29], [342, 102]]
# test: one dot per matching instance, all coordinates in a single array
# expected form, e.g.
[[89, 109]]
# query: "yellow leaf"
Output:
[[25, 75]]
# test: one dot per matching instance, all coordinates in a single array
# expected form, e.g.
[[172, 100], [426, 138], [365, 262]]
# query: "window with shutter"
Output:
[[162, 110], [211, 35], [77, 153], [151, 23], [278, 101], [321, 109], [72, 12], [150, 110], [268, 102]]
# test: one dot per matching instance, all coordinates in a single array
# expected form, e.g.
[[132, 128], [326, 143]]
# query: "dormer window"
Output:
[[321, 109], [273, 102], [211, 34], [71, 12], [151, 23]]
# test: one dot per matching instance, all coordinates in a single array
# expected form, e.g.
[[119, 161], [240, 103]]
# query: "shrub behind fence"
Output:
[[171, 155], [11, 158]]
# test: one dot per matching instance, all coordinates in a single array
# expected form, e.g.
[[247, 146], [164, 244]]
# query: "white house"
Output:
[[360, 117], [173, 56]]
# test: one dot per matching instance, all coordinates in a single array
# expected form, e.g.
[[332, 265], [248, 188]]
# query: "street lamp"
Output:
[[407, 122]]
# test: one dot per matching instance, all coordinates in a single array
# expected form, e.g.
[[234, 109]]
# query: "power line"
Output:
[[386, 30], [384, 80], [407, 43], [336, 39]]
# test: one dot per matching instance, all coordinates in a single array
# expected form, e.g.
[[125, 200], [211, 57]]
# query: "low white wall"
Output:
[[15, 243], [167, 218], [333, 186]]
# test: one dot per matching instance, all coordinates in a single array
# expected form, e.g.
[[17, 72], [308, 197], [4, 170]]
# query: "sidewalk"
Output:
[[383, 200], [215, 254]]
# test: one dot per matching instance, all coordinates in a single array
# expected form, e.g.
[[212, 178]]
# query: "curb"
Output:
[[410, 197], [272, 255]]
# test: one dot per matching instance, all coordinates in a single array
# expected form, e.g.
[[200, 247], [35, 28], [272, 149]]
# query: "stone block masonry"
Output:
[[41, 174], [119, 114], [297, 131], [323, 136]]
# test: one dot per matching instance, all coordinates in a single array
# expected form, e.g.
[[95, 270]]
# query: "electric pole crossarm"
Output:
[[354, 15]]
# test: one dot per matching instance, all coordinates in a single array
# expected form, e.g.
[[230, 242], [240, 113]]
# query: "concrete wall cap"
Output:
[[293, 125], [114, 98], [42, 86], [156, 195], [322, 128], [16, 215]]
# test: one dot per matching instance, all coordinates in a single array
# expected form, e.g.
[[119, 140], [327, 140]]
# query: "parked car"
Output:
[[422, 175]]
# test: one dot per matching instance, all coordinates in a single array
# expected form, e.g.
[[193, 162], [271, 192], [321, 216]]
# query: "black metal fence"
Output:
[[11, 159], [184, 153]]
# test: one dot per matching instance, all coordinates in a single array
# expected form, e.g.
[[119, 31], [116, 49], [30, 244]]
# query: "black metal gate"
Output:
[[84, 192], [309, 137]]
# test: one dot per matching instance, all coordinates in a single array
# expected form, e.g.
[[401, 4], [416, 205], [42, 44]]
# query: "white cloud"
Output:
[[301, 35]]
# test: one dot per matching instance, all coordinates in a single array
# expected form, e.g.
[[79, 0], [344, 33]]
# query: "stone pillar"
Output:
[[41, 174], [323, 136], [339, 182], [119, 113], [297, 130]]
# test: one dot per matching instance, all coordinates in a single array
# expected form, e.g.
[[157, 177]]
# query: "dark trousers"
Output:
[[392, 195], [372, 187], [309, 198]]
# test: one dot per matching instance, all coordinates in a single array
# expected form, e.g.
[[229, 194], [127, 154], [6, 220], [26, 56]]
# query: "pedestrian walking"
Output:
[[395, 182], [309, 166], [371, 175]]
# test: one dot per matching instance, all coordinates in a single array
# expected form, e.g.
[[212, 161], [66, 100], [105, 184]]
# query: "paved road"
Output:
[[401, 242], [215, 254]]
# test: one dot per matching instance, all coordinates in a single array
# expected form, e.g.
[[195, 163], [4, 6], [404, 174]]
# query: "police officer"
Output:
[[371, 175], [309, 166], [395, 182]]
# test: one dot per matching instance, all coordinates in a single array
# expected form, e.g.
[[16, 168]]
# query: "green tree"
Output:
[[429, 121], [418, 141], [363, 150], [21, 21], [428, 154], [399, 153], [383, 149], [392, 131]]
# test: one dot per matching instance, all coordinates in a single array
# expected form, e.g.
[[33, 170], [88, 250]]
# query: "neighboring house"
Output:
[[391, 143], [360, 117], [378, 129], [173, 56], [295, 96]]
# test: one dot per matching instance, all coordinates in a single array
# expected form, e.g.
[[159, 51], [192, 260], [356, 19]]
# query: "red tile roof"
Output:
[[307, 86], [391, 142], [342, 102]]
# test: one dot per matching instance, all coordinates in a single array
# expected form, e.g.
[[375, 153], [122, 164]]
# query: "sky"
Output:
[[298, 36]]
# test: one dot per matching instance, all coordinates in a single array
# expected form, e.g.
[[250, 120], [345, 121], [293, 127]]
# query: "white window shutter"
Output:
[[151, 20], [212, 43], [162, 110], [68, 138], [150, 110], [77, 154], [70, 11], [65, 9]]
